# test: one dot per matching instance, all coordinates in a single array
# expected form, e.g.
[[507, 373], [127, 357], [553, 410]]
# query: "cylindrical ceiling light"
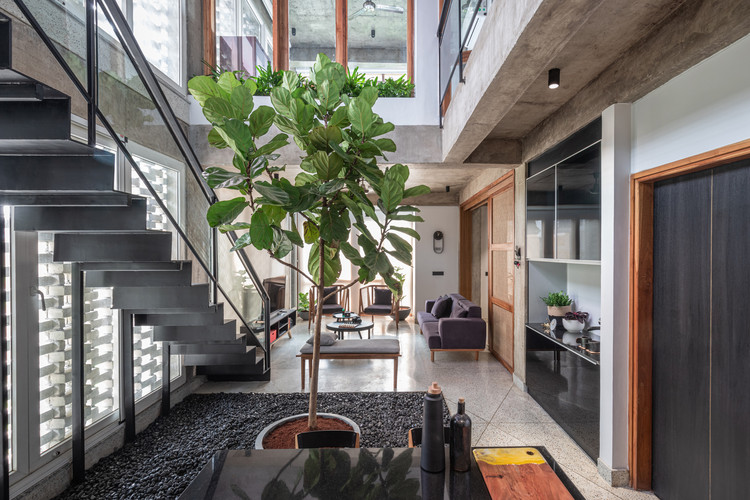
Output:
[[553, 80]]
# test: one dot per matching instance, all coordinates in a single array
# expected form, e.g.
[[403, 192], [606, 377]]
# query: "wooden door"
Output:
[[501, 240]]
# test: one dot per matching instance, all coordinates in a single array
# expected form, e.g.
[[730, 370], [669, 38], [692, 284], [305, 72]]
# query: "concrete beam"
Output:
[[497, 151], [516, 44]]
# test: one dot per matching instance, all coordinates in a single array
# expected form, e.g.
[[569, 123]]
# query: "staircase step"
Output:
[[130, 218], [213, 316], [238, 346], [228, 359], [157, 297], [43, 165], [176, 277], [65, 198], [172, 265], [48, 118], [137, 246], [196, 333]]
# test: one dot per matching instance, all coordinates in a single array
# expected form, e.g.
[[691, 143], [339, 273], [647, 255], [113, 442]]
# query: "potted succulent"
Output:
[[340, 140], [558, 305], [398, 293], [575, 321], [303, 306]]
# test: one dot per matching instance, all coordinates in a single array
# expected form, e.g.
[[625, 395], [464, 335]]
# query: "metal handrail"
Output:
[[156, 93]]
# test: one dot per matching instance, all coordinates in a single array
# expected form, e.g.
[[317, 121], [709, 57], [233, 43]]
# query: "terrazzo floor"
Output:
[[501, 413]]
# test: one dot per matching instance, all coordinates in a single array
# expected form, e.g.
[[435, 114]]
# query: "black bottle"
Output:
[[433, 442], [460, 439]]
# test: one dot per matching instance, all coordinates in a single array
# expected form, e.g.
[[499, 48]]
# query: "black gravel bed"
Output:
[[167, 455]]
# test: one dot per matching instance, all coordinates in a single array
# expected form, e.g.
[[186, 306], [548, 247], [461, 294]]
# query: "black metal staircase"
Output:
[[60, 186]]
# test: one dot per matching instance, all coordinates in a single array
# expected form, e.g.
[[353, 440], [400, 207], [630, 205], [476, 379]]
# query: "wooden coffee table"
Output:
[[340, 328]]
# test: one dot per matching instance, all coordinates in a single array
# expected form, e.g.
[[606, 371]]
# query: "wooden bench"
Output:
[[382, 348]]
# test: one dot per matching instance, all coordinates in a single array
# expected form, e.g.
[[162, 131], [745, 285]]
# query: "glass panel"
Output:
[[503, 217], [55, 350], [502, 333], [244, 32], [449, 46], [540, 215], [377, 38], [146, 362], [156, 25], [7, 307], [312, 29], [578, 206], [502, 275]]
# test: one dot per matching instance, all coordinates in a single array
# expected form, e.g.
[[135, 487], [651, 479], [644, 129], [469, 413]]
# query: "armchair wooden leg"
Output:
[[476, 355], [302, 371], [432, 356], [395, 372]]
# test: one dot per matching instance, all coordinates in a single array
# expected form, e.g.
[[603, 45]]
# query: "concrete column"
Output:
[[615, 228]]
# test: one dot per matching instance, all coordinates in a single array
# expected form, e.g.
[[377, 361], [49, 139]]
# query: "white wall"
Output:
[[423, 108], [427, 286], [704, 108]]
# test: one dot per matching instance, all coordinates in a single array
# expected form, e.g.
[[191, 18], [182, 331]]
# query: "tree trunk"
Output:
[[312, 419]]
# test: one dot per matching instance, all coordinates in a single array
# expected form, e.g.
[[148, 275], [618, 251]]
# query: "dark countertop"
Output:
[[349, 472], [566, 340]]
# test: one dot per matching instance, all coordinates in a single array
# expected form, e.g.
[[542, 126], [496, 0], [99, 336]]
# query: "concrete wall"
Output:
[[427, 286]]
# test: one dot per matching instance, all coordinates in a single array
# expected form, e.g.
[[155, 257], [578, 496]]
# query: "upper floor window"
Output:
[[377, 38], [312, 30], [244, 36], [157, 27]]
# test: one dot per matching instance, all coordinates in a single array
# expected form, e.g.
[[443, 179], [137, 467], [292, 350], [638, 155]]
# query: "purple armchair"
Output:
[[463, 330]]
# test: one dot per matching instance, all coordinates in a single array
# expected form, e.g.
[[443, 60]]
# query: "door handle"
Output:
[[36, 291]]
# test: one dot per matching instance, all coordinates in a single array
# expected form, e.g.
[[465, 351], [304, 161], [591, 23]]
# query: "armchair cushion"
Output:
[[333, 298], [382, 297], [325, 339], [378, 309], [442, 307], [332, 308], [428, 305]]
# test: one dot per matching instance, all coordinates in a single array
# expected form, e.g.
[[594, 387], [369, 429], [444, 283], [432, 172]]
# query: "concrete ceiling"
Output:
[[611, 29]]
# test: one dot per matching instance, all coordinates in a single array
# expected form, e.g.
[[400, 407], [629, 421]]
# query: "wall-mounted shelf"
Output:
[[568, 261]]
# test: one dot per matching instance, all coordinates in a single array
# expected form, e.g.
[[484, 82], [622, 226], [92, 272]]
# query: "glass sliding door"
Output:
[[377, 38]]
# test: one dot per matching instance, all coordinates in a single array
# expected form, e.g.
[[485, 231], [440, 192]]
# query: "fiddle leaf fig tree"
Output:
[[340, 139]]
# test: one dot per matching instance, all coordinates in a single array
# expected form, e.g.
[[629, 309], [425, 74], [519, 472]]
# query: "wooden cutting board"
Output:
[[511, 473]]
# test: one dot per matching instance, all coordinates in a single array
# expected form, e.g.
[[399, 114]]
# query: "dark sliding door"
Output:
[[701, 346]]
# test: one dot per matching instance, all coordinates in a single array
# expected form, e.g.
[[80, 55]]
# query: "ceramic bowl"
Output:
[[573, 325]]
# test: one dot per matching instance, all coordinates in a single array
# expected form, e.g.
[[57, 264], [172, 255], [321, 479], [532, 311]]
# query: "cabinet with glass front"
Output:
[[563, 205]]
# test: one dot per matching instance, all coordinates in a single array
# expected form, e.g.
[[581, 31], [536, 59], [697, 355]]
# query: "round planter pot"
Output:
[[403, 313], [558, 313], [303, 315], [273, 425], [573, 325]]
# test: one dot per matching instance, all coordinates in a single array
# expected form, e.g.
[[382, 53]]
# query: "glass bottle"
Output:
[[460, 439]]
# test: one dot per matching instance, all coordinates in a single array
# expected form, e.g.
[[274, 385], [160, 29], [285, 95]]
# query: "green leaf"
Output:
[[330, 187], [218, 178], [215, 139], [261, 232], [392, 190], [225, 228], [401, 171], [381, 128], [272, 195], [242, 101], [261, 120], [250, 85], [337, 149], [399, 244], [333, 227], [327, 167], [237, 136], [227, 82], [349, 251], [224, 212], [385, 144], [416, 191], [321, 136], [329, 94], [294, 237], [282, 245], [382, 264], [332, 267], [239, 163], [339, 118], [406, 230], [406, 217], [370, 95], [303, 178], [241, 242], [281, 100], [290, 80], [204, 87], [360, 115], [311, 232], [216, 110], [275, 214], [277, 142]]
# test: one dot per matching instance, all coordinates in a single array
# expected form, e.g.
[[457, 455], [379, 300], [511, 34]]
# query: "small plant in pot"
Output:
[[558, 305], [303, 306], [575, 321], [398, 293]]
